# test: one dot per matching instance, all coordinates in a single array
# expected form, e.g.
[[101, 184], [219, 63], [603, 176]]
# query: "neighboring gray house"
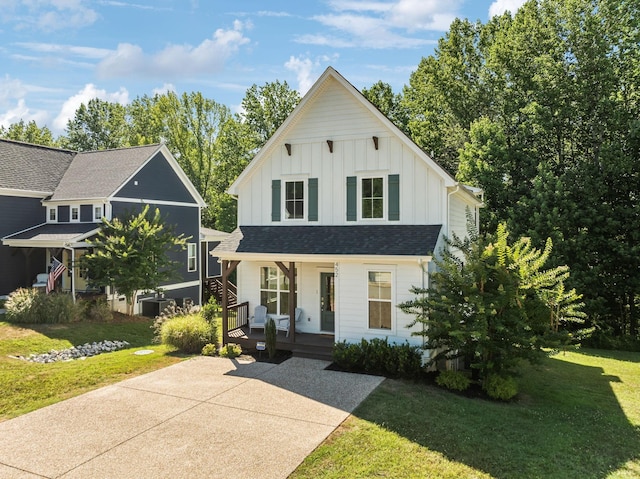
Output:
[[52, 201]]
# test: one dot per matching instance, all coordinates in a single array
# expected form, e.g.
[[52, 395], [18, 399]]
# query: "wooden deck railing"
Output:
[[238, 315]]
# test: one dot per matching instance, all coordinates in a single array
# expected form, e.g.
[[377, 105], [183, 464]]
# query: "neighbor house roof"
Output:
[[357, 240], [52, 235], [98, 174], [29, 167]]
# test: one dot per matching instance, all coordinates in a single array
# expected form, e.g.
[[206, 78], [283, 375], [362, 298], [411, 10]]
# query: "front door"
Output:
[[327, 302]]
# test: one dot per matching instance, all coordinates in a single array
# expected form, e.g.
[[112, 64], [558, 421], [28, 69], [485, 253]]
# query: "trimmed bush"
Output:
[[500, 387], [270, 334], [98, 310], [209, 350], [210, 310], [188, 333], [379, 357], [231, 351], [453, 380], [32, 307]]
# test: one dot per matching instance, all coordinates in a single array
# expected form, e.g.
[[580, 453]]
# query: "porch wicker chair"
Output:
[[259, 318], [285, 324]]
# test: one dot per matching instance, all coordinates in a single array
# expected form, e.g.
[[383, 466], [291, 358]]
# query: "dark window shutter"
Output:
[[275, 200], [394, 197], [352, 198], [313, 199]]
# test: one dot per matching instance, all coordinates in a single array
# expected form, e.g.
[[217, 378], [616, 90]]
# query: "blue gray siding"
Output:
[[156, 181], [19, 266]]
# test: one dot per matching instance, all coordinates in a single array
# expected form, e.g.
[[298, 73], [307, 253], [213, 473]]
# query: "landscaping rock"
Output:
[[76, 352]]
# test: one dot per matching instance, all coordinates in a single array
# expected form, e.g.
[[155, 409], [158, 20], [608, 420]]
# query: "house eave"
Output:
[[320, 258]]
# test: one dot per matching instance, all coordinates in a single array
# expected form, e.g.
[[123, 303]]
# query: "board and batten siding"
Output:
[[350, 126], [352, 307]]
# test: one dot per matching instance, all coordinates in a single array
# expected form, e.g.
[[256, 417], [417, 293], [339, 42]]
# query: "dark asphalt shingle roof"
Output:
[[374, 240], [55, 232], [97, 174], [31, 167]]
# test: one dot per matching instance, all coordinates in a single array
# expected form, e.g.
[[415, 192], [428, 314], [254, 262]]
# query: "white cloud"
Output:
[[89, 92], [382, 24], [166, 88], [62, 49], [50, 15], [498, 7], [22, 112], [307, 70], [176, 60]]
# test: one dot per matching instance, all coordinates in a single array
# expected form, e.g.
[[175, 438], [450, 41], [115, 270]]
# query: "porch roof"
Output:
[[330, 241], [51, 235]]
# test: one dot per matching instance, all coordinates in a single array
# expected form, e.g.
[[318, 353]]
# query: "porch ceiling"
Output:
[[327, 242], [52, 235]]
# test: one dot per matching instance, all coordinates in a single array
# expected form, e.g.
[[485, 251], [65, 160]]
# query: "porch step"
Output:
[[312, 352]]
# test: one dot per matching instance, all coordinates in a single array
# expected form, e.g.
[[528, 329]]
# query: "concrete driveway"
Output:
[[204, 417]]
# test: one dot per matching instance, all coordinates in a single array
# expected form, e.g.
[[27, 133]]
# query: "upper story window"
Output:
[[97, 213], [53, 214], [192, 257], [75, 213], [372, 198], [294, 199]]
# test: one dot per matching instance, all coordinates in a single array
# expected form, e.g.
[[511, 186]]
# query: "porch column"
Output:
[[290, 273], [228, 267]]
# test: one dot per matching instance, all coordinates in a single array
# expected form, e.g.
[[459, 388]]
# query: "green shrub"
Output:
[[98, 310], [188, 333], [454, 380], [379, 357], [32, 307], [210, 310], [209, 350], [270, 333], [500, 387], [231, 351]]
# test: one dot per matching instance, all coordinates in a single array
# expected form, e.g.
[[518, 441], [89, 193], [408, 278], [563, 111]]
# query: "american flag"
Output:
[[57, 268]]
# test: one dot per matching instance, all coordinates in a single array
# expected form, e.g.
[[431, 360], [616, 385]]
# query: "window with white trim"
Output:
[[274, 290], [192, 257], [53, 214], [372, 197], [294, 200], [97, 212], [75, 213], [379, 299]]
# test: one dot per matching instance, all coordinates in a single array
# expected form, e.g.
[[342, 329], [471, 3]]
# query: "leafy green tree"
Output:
[[98, 125], [267, 107], [133, 254], [493, 304], [382, 96], [29, 133]]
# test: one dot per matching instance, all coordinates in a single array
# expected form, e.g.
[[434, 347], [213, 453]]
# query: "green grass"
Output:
[[577, 416], [27, 386]]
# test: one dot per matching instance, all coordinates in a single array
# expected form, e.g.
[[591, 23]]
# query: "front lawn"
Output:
[[27, 386], [577, 416]]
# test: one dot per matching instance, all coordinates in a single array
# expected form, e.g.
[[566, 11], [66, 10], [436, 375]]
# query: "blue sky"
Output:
[[56, 54]]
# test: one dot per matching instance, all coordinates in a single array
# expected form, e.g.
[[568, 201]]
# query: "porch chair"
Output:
[[285, 324], [259, 318], [41, 280]]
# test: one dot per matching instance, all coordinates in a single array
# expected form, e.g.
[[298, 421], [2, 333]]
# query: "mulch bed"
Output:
[[263, 356]]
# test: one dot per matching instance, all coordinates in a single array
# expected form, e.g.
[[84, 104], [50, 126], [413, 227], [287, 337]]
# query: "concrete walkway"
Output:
[[202, 418]]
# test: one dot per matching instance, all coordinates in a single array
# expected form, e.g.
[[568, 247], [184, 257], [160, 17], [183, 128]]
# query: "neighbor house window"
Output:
[[97, 213], [294, 199], [379, 299], [75, 213], [274, 290], [372, 198], [53, 214], [192, 257]]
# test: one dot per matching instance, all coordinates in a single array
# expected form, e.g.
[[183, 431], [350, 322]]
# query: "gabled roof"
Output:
[[277, 138], [330, 241], [98, 174], [32, 168]]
